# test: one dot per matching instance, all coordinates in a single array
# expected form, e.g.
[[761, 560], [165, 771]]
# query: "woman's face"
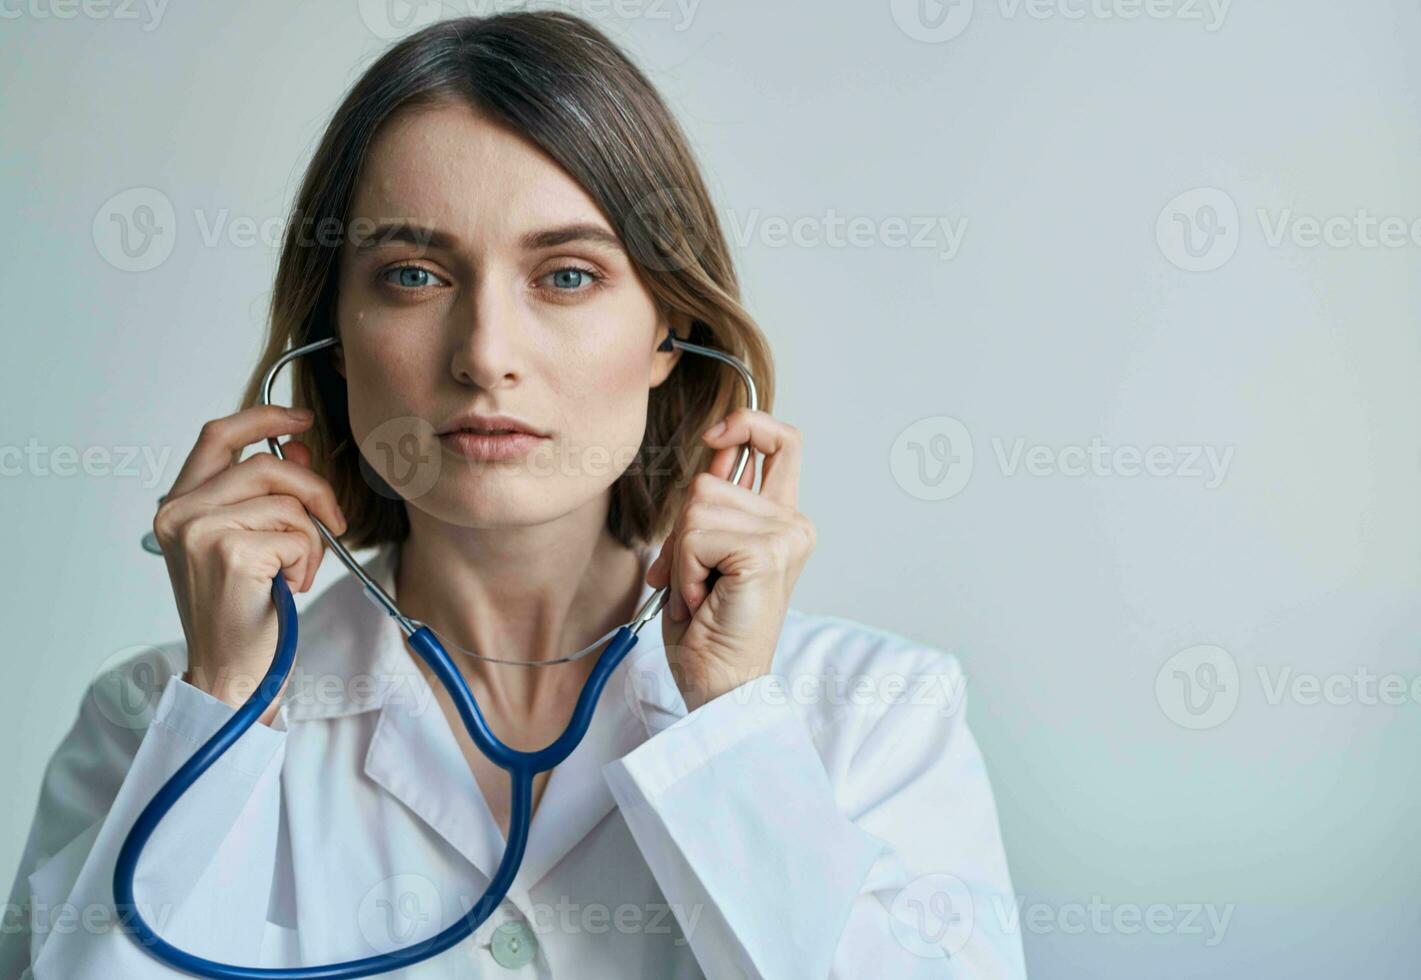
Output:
[[479, 277]]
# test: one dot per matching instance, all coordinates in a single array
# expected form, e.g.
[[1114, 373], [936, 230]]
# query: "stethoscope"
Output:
[[521, 766]]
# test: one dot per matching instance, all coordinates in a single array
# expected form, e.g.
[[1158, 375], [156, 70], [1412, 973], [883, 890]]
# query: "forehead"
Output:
[[454, 168]]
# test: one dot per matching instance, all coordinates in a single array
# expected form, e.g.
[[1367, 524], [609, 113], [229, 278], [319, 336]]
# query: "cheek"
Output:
[[382, 394], [602, 399], [614, 393], [372, 388], [381, 370], [395, 439]]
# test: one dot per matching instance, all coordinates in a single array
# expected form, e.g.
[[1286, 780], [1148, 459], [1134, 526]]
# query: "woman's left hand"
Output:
[[720, 638]]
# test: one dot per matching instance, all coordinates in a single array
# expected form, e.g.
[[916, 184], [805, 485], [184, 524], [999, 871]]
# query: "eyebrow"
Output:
[[553, 237], [412, 234], [405, 231]]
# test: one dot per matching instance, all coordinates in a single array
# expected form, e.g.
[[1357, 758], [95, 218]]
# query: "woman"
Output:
[[502, 225]]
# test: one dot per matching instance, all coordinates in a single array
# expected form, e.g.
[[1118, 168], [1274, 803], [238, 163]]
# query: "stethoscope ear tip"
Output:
[[672, 340]]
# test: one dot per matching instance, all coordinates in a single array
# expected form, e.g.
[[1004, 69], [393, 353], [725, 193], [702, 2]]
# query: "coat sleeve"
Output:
[[205, 877], [868, 847]]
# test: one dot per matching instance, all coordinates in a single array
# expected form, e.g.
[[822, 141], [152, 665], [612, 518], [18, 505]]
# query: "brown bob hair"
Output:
[[564, 85]]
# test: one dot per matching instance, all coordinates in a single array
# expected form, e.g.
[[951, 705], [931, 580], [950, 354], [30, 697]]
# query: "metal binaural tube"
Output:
[[649, 610], [372, 588], [657, 601]]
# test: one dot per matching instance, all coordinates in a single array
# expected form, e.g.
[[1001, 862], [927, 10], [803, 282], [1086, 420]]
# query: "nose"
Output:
[[487, 334]]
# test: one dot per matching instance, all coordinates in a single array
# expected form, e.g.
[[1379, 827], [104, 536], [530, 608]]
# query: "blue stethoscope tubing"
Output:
[[520, 766]]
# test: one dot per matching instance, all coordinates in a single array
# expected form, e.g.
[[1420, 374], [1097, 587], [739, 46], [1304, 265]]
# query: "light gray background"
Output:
[[1068, 313]]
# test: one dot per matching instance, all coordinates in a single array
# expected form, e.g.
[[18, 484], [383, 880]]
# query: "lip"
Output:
[[470, 421], [490, 448]]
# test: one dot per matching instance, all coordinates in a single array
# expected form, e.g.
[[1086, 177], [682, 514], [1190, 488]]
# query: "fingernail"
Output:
[[716, 429], [304, 414]]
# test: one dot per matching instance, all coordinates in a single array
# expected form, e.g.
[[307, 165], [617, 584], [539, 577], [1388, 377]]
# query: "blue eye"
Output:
[[410, 277], [571, 279]]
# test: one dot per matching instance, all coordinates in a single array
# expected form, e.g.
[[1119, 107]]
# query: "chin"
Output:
[[487, 500]]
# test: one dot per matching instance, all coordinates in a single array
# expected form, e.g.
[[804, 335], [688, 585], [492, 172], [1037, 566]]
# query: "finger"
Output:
[[265, 474], [707, 492], [287, 547], [280, 512], [706, 488], [654, 572], [780, 443], [696, 574], [698, 552], [723, 463], [221, 438], [298, 452], [714, 517], [713, 490]]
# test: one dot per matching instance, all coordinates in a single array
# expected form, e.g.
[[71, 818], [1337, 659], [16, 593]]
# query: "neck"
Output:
[[520, 593]]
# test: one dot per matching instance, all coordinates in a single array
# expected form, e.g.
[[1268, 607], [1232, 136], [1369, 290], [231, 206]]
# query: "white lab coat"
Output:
[[801, 825]]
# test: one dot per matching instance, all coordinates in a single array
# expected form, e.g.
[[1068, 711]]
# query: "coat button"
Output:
[[513, 945]]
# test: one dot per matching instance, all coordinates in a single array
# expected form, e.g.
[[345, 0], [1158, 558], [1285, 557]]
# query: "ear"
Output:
[[662, 362]]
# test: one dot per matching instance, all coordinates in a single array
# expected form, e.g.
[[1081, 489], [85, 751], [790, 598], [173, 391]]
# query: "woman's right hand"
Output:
[[226, 530]]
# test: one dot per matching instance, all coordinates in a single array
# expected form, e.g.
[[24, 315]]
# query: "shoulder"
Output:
[[833, 666]]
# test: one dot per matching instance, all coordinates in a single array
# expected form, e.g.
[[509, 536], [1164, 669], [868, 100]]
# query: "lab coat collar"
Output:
[[355, 660]]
